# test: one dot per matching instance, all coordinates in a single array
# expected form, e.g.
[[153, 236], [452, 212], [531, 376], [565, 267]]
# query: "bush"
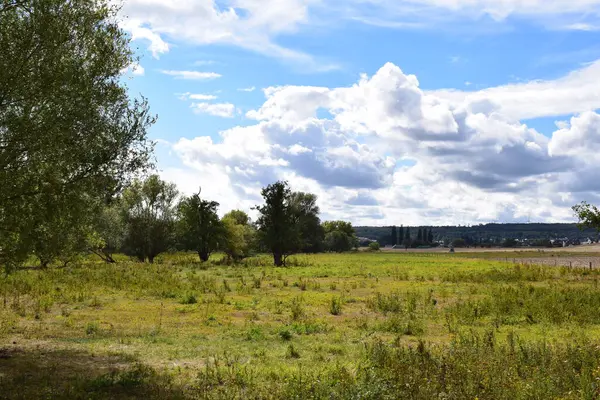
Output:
[[335, 307], [374, 246]]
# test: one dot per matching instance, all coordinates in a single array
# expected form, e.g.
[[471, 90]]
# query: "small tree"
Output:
[[199, 227], [400, 235], [109, 232], [394, 237], [420, 235], [430, 236], [374, 246], [149, 214], [239, 235]]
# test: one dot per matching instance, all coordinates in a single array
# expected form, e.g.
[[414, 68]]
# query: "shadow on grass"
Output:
[[68, 374]]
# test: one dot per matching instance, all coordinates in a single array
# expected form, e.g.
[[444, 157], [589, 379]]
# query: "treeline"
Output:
[[484, 234], [401, 237], [150, 217]]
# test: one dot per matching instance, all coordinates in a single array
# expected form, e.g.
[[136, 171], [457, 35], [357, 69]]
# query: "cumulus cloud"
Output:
[[191, 75], [225, 110], [576, 92], [388, 148]]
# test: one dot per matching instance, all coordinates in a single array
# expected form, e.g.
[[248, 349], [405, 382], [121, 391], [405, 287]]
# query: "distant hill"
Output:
[[494, 233]]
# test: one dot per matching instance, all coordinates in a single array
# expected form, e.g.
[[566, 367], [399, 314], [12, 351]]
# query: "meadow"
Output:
[[357, 325]]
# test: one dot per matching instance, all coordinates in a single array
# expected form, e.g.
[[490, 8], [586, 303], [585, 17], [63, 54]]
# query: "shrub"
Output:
[[374, 246], [335, 306]]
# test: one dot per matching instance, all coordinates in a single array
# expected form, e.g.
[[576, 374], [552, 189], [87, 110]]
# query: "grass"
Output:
[[362, 325]]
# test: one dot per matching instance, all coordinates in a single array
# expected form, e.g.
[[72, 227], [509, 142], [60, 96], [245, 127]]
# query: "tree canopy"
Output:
[[70, 135]]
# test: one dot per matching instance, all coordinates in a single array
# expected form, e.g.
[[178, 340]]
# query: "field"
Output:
[[363, 325]]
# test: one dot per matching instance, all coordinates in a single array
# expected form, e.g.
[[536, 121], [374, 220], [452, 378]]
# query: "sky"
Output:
[[393, 112]]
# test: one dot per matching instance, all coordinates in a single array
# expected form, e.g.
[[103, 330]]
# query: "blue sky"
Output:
[[413, 112]]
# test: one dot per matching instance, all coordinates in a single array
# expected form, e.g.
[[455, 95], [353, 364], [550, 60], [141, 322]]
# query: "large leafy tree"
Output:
[[149, 211], [305, 219], [339, 236], [275, 222], [70, 136], [200, 229]]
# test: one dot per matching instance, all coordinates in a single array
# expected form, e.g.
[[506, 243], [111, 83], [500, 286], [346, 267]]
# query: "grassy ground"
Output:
[[366, 325]]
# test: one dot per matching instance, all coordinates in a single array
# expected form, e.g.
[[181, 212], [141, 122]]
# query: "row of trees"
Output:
[[150, 217], [402, 237]]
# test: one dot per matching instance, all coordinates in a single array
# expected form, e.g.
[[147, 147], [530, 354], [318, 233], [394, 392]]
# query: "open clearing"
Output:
[[363, 325]]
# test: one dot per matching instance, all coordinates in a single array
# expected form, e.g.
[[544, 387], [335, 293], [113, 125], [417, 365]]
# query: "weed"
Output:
[[335, 306]]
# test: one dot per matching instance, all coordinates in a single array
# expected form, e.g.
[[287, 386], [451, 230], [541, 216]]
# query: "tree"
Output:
[[149, 214], [339, 236], [108, 232], [460, 242], [239, 235], [199, 228], [240, 217], [394, 237], [274, 223], [407, 239], [430, 236], [588, 215], [400, 235], [305, 219], [420, 235], [70, 136], [374, 246]]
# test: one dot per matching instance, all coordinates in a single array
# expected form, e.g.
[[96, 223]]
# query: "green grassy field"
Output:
[[364, 325]]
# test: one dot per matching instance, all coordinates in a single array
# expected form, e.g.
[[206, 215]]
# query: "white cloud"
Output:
[[555, 14], [389, 149], [576, 92], [248, 89], [201, 63], [225, 110], [256, 24], [135, 69], [191, 75], [196, 96], [157, 45]]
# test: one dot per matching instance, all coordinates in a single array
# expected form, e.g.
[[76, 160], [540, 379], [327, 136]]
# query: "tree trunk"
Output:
[[204, 256], [277, 259], [151, 259]]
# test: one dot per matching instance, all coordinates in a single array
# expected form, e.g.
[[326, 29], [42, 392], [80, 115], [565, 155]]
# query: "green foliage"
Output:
[[335, 306], [199, 227], [589, 215], [149, 215], [274, 223], [305, 220], [374, 246], [288, 222], [70, 136], [339, 236], [238, 239], [458, 243], [109, 232]]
